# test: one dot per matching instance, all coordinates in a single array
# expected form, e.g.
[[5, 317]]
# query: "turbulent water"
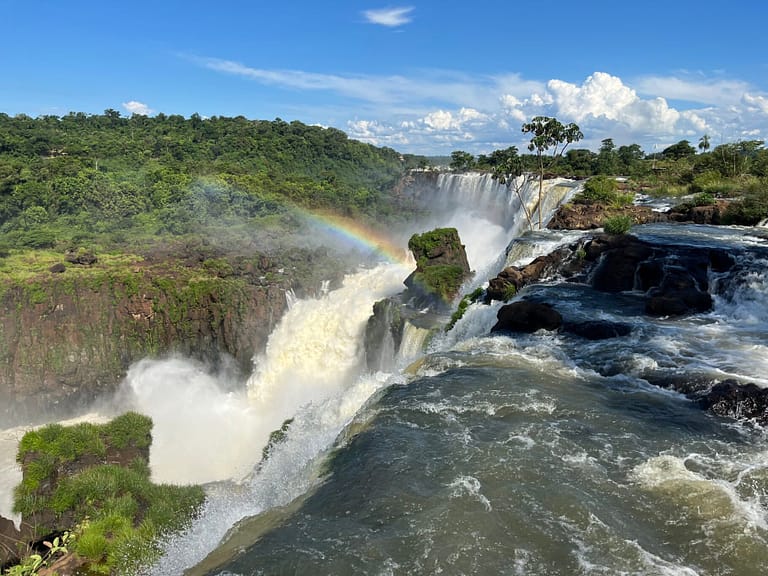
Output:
[[541, 454], [545, 453]]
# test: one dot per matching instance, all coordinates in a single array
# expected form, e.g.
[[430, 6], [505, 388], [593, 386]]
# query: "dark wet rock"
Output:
[[684, 383], [679, 293], [720, 260], [731, 399], [528, 317], [13, 542], [561, 262], [598, 329], [383, 333], [679, 303], [711, 214], [57, 268]]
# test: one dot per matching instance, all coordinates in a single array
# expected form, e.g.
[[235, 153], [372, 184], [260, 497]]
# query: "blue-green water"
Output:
[[540, 454]]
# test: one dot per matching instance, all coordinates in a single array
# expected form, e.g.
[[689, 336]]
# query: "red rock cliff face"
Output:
[[66, 338]]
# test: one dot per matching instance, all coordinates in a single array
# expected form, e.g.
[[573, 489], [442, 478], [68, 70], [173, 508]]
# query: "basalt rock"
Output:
[[711, 214], [512, 279], [731, 399], [527, 317], [66, 339], [592, 216]]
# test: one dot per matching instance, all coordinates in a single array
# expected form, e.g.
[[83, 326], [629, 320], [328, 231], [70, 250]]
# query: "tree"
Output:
[[549, 134], [507, 166], [630, 158], [704, 143], [607, 158], [682, 149], [461, 161]]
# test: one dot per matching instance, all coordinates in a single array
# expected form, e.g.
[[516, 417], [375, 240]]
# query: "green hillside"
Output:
[[104, 178]]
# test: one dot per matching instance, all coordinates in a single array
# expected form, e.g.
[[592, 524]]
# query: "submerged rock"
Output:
[[731, 399], [598, 329]]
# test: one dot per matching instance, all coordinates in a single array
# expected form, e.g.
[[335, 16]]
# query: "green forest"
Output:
[[106, 179], [109, 179]]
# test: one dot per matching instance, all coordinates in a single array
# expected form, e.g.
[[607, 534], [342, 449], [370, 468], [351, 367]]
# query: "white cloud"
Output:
[[390, 17], [448, 87], [716, 91], [605, 96], [443, 120], [431, 110], [135, 107], [378, 134], [756, 102]]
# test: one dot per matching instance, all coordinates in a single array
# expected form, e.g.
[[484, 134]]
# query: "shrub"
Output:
[[750, 209], [599, 189], [604, 190], [703, 199], [462, 307], [619, 224]]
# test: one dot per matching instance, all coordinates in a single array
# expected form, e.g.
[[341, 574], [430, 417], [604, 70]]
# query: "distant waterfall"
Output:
[[487, 214]]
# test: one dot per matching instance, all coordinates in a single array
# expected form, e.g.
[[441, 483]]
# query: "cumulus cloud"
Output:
[[430, 111], [443, 120], [378, 134], [756, 102], [136, 107], [605, 96], [390, 17]]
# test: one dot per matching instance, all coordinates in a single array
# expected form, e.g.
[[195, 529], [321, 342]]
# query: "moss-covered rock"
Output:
[[441, 268]]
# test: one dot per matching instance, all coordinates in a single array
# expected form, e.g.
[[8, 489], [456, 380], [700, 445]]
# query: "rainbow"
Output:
[[357, 235]]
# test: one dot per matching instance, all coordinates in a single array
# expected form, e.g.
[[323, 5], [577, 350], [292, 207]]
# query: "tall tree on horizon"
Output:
[[549, 134], [704, 143]]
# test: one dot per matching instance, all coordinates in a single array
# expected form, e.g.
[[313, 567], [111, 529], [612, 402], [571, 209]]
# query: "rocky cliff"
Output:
[[68, 336]]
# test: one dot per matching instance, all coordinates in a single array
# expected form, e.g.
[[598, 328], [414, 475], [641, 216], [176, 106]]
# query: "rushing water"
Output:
[[541, 454], [545, 453]]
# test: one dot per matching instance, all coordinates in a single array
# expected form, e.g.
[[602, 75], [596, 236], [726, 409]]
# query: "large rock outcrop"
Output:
[[591, 216], [68, 337], [441, 268], [673, 279]]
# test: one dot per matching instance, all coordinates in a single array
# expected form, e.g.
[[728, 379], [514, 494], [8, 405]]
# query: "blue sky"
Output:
[[425, 76]]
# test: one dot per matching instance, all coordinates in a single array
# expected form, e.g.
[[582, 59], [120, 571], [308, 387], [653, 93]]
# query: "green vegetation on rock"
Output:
[[604, 190], [94, 480], [468, 299], [442, 280], [422, 245], [619, 224]]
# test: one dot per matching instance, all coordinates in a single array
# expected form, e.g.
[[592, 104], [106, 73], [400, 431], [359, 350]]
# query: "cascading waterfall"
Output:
[[463, 201], [542, 454], [312, 372]]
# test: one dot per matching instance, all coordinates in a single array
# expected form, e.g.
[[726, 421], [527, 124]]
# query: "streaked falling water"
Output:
[[488, 214]]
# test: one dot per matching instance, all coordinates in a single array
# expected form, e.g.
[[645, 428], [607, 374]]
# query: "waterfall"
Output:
[[412, 345], [487, 214]]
